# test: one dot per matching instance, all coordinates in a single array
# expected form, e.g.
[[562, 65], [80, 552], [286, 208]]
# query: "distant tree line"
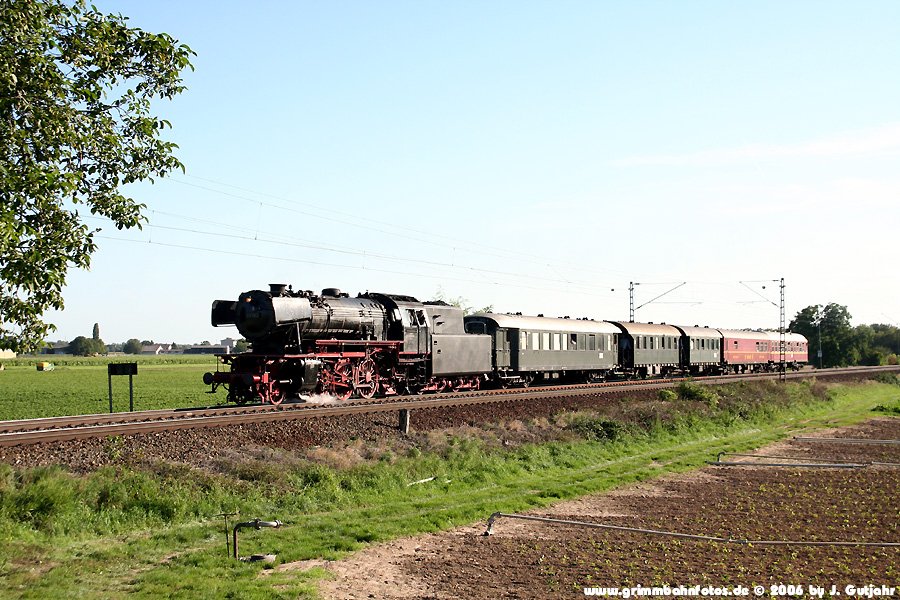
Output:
[[82, 346], [828, 327]]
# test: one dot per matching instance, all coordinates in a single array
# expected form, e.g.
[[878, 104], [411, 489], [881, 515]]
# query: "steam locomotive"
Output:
[[387, 344]]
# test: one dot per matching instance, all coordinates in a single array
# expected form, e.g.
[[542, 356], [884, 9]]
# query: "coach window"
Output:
[[523, 340], [591, 342], [545, 341]]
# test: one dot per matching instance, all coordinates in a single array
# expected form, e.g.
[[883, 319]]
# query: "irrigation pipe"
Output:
[[689, 536], [719, 463], [834, 464], [846, 440], [721, 454]]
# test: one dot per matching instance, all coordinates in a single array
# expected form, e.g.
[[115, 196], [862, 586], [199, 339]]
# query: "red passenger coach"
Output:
[[744, 351], [757, 351], [796, 349]]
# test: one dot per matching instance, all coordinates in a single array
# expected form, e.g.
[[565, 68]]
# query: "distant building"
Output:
[[206, 349], [58, 347], [7, 354], [156, 349], [230, 342]]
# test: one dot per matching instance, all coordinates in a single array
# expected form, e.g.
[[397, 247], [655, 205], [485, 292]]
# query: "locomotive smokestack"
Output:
[[277, 289], [332, 292]]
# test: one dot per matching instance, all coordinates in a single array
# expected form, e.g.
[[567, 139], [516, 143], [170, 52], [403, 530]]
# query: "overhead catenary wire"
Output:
[[403, 230], [576, 284], [429, 237], [318, 263], [259, 237]]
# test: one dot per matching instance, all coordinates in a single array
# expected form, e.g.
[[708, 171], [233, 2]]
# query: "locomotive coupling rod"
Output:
[[256, 524]]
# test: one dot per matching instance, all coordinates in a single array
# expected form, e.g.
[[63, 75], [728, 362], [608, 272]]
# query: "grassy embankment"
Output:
[[80, 385], [151, 530]]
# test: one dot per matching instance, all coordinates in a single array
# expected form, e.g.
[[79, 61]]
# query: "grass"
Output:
[[153, 531], [81, 386]]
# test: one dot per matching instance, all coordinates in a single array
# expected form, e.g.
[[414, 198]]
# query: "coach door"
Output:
[[626, 351], [501, 348]]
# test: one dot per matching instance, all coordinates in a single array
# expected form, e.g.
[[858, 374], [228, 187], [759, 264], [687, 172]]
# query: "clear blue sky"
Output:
[[533, 156]]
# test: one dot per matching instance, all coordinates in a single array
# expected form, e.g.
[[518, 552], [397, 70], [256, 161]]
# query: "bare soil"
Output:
[[525, 559]]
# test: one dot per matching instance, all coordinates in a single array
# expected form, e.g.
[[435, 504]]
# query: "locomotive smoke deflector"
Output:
[[223, 312]]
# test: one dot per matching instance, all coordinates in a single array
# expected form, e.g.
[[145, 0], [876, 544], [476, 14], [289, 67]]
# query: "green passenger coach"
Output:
[[526, 349]]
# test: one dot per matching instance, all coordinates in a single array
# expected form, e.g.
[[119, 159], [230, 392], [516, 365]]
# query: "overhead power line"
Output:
[[441, 277], [430, 237], [259, 237]]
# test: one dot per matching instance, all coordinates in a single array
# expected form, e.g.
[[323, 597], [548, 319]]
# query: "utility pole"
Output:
[[819, 331], [631, 301], [783, 333]]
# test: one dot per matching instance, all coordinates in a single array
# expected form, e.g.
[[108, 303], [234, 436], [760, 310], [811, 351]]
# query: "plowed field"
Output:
[[526, 559]]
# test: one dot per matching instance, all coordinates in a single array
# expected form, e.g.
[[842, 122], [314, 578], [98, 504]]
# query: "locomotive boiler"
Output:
[[330, 343]]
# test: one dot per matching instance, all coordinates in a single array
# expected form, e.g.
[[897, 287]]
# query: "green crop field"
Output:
[[80, 385]]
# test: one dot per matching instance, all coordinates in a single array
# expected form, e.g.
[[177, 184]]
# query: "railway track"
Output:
[[55, 429]]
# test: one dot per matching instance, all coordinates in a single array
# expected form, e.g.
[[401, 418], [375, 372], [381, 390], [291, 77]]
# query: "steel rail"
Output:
[[14, 433], [105, 418], [313, 412]]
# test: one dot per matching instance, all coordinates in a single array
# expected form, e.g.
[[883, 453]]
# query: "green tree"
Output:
[[241, 346], [888, 337], [839, 346], [96, 334], [81, 346], [132, 346], [75, 125]]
